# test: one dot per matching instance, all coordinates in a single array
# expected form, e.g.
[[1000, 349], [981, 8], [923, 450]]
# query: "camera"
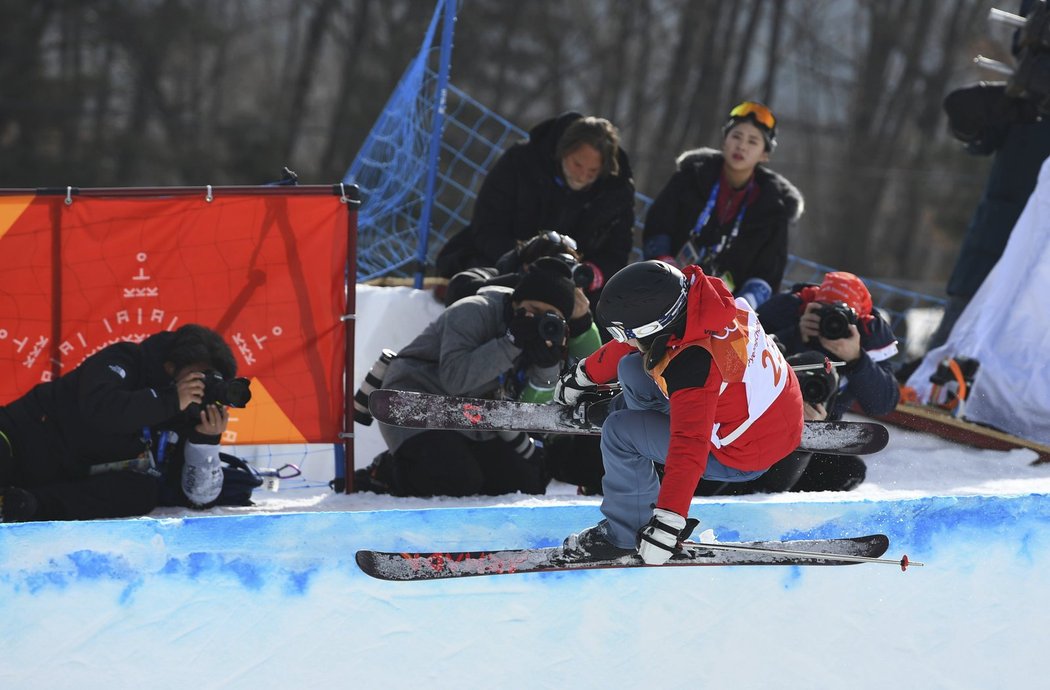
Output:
[[835, 320], [818, 385], [1031, 79], [973, 111], [551, 327], [219, 391], [582, 274]]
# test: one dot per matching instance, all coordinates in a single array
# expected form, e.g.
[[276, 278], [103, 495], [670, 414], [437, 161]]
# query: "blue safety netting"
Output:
[[391, 172]]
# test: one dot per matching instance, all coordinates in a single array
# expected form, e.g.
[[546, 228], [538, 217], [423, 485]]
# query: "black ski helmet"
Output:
[[642, 299]]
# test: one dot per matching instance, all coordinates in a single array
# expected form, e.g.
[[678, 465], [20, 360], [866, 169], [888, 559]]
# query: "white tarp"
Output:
[[1006, 327]]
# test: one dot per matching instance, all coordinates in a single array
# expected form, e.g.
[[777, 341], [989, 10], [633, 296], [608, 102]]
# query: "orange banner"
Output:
[[266, 271]]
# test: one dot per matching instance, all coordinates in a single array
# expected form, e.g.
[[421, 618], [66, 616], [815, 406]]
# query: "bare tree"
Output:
[[137, 92]]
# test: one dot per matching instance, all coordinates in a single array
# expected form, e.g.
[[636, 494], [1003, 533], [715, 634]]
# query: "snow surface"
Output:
[[269, 596]]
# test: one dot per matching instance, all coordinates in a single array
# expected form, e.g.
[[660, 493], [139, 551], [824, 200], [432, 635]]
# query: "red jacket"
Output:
[[729, 332]]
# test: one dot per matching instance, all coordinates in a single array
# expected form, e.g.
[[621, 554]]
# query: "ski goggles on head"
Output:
[[622, 334], [557, 238], [757, 112]]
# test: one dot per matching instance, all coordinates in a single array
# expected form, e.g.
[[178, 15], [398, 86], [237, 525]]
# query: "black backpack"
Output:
[[239, 480]]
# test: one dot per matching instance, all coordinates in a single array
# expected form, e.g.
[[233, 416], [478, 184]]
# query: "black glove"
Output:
[[979, 113], [524, 332]]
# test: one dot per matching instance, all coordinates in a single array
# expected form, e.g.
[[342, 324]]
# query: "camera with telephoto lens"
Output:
[[835, 320], [551, 327], [582, 274], [218, 391], [818, 384]]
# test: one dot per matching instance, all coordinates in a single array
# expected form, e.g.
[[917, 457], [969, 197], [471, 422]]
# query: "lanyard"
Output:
[[705, 215], [698, 257], [162, 443]]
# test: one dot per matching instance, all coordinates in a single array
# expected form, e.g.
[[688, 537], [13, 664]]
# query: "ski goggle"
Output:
[[757, 112], [555, 237], [622, 334]]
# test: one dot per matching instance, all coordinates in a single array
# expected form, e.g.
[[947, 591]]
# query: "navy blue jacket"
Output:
[[869, 381], [1020, 150]]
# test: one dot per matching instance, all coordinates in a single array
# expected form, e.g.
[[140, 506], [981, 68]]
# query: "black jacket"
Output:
[[524, 193], [761, 248], [869, 381], [95, 414]]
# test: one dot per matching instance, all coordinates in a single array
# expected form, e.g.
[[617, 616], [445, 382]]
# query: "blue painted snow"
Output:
[[278, 599], [258, 551]]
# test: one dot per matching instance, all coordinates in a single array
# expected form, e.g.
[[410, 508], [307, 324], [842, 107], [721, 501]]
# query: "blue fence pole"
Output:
[[440, 96]]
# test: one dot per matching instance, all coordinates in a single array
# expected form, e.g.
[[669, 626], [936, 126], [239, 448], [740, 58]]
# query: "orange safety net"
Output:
[[266, 271]]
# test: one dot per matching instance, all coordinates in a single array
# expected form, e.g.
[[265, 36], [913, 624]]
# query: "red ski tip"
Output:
[[904, 563]]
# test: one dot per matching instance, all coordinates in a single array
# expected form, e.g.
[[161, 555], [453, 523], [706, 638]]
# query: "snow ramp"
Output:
[[276, 600]]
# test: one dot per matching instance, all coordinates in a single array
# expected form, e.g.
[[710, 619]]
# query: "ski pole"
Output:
[[826, 366], [903, 562]]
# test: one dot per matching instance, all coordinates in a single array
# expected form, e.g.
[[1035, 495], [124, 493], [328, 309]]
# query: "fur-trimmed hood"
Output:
[[707, 164]]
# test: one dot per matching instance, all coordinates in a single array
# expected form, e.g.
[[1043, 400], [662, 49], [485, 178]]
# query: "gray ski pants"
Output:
[[636, 434]]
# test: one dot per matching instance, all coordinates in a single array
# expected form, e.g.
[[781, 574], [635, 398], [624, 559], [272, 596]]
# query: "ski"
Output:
[[428, 411], [405, 567]]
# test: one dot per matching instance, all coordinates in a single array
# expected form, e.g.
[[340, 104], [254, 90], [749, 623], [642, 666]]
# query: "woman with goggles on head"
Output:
[[727, 212], [571, 176], [705, 394]]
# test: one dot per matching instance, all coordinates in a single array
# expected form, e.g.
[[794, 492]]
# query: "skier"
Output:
[[708, 394], [726, 211]]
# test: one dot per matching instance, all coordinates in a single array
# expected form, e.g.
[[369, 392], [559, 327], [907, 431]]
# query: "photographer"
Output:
[[836, 320], [510, 267], [92, 443], [573, 459], [1000, 119], [499, 343]]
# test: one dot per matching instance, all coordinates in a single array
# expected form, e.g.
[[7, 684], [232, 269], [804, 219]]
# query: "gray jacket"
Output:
[[462, 352]]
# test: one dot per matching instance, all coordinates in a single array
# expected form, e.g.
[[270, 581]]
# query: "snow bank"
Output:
[[276, 601]]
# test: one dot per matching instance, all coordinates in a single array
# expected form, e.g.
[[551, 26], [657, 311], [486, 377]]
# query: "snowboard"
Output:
[[402, 567], [429, 411]]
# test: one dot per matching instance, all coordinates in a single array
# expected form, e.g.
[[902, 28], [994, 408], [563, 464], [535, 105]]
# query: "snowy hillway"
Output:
[[270, 596]]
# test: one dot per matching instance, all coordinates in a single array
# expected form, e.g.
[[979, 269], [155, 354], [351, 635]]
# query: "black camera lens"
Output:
[[816, 386], [236, 392], [582, 275], [219, 391], [551, 327], [835, 320]]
